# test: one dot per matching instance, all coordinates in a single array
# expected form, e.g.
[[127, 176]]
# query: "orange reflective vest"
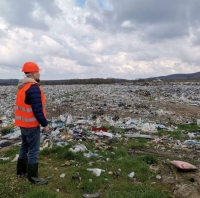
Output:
[[24, 116]]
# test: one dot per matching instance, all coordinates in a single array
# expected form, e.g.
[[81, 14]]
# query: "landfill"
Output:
[[79, 113]]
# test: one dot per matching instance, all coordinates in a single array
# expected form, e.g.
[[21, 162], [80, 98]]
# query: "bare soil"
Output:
[[181, 183]]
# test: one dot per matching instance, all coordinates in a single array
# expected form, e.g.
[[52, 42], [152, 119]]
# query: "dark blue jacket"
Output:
[[33, 98]]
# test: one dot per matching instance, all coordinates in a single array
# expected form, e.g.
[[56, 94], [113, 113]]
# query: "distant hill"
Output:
[[9, 81], [192, 76]]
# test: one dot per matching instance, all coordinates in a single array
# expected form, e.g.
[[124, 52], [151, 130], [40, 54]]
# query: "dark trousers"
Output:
[[30, 144]]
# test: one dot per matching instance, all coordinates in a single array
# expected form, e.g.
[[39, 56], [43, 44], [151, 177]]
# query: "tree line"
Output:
[[67, 82]]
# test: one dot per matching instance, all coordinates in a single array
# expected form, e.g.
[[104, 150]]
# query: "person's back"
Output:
[[30, 113]]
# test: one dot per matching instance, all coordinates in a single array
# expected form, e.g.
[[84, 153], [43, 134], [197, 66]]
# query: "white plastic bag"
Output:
[[96, 171]]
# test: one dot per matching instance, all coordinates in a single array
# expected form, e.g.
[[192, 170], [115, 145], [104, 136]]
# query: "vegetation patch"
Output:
[[111, 158]]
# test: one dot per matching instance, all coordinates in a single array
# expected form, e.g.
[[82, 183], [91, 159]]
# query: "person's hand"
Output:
[[46, 129]]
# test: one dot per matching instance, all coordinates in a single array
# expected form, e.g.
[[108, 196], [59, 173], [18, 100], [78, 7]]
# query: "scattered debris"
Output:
[[183, 165], [94, 195], [131, 175], [116, 113], [96, 171]]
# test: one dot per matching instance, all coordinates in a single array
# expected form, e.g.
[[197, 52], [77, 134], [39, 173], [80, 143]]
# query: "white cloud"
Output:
[[104, 38], [97, 46], [127, 24]]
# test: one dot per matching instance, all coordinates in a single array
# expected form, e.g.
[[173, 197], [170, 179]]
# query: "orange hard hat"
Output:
[[30, 67]]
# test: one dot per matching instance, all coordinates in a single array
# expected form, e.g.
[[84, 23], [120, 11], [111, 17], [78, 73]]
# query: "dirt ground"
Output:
[[183, 184]]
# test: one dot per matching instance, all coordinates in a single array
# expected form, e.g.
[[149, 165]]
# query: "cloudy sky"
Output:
[[100, 38]]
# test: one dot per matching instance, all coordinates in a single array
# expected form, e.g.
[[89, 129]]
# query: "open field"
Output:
[[147, 127]]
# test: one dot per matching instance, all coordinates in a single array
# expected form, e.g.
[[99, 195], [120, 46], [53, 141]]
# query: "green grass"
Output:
[[188, 127], [110, 157], [137, 145], [113, 129], [110, 185], [12, 152], [149, 159], [177, 134], [173, 134], [198, 138], [39, 192], [134, 191], [6, 130]]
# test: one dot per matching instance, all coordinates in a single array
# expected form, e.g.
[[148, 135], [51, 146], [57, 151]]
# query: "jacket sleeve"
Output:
[[33, 98]]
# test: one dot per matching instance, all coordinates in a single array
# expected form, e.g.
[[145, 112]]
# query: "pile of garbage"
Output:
[[163, 102], [65, 129]]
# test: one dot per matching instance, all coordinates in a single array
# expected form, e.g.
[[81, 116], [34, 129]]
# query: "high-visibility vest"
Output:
[[24, 116]]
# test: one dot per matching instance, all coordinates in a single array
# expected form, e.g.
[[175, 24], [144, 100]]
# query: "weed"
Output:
[[197, 138], [6, 130], [141, 191], [40, 193], [55, 151], [142, 140], [66, 154], [150, 159], [188, 127], [113, 129], [12, 152], [162, 132], [173, 134], [136, 145]]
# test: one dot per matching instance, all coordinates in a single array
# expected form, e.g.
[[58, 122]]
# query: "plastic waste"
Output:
[[4, 158], [61, 143], [62, 118], [5, 143], [183, 165], [75, 176], [78, 148], [69, 119], [106, 179], [198, 122], [55, 133], [88, 155], [94, 195], [118, 172], [13, 136], [158, 177], [16, 158], [96, 171], [62, 175], [131, 175]]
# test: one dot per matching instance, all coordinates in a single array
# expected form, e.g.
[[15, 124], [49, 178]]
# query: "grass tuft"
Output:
[[40, 193]]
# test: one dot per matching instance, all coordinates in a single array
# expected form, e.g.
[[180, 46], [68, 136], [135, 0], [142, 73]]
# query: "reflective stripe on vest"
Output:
[[25, 119], [25, 109]]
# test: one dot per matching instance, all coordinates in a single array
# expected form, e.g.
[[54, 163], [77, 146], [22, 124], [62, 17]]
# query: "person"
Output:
[[30, 113]]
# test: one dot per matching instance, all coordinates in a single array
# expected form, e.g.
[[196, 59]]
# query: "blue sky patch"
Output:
[[80, 3]]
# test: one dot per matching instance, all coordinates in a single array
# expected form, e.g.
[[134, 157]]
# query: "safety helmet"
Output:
[[30, 67]]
